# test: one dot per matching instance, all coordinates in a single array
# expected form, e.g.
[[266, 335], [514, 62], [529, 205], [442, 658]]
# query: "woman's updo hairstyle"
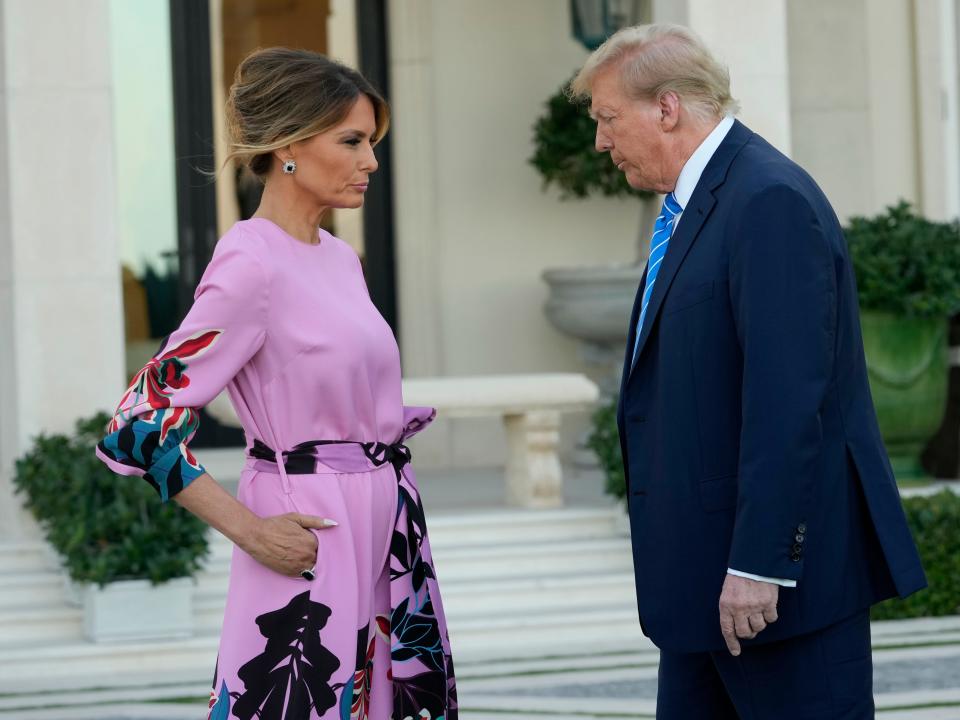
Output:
[[280, 96]]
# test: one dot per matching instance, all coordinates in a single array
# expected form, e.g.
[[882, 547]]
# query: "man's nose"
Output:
[[602, 142]]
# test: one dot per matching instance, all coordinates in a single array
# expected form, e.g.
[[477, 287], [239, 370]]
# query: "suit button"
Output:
[[795, 557], [799, 537], [797, 548], [802, 528]]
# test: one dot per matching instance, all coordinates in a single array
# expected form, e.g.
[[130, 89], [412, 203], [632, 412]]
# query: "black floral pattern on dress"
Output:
[[414, 625], [291, 676]]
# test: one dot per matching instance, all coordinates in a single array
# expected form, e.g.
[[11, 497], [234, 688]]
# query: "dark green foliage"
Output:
[[905, 264], [605, 442], [105, 527], [564, 152], [935, 524]]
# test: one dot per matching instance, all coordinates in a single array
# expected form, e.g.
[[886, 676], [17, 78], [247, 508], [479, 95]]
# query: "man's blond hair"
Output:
[[656, 59]]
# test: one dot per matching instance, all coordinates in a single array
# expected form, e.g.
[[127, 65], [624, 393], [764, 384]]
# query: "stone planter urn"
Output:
[[907, 363], [134, 610], [593, 305]]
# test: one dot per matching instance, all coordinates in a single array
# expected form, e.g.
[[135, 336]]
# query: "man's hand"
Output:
[[746, 608]]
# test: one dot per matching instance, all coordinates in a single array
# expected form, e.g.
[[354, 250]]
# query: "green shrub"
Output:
[[565, 155], [906, 264], [104, 526], [605, 443], [935, 524]]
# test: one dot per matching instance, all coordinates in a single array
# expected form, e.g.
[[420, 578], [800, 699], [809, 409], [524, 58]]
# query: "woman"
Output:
[[333, 610]]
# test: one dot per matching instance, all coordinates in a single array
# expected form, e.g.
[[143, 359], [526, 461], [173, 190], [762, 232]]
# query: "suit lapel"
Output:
[[632, 331], [694, 216]]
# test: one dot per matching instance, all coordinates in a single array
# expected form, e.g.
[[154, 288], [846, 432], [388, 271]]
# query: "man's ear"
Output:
[[669, 105]]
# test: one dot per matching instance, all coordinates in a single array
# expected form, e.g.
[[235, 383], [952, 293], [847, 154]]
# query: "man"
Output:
[[764, 514]]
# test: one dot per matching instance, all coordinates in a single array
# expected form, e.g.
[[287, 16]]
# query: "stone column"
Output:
[[61, 329], [853, 101], [414, 149], [935, 28], [750, 36]]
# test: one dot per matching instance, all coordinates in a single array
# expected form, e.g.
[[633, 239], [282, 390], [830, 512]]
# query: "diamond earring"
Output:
[[289, 166]]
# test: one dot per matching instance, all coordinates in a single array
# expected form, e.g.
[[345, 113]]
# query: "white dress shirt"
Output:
[[686, 184]]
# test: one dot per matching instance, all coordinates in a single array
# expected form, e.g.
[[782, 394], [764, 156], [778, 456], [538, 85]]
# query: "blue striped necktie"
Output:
[[662, 230]]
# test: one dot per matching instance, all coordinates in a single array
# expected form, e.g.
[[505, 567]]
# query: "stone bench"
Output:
[[531, 407]]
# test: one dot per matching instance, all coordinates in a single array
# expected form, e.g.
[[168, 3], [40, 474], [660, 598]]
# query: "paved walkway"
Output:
[[916, 677]]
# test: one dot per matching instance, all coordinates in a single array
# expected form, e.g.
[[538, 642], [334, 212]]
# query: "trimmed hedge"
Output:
[[105, 527], [906, 264], [935, 524]]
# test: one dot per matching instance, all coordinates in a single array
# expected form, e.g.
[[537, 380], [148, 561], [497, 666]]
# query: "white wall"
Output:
[[60, 317]]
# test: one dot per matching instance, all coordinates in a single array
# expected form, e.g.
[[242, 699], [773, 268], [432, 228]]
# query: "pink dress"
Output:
[[314, 374]]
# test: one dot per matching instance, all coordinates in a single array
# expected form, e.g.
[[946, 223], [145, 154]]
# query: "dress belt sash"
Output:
[[329, 456]]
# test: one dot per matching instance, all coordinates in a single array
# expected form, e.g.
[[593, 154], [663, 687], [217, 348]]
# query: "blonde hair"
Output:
[[280, 96], [656, 59]]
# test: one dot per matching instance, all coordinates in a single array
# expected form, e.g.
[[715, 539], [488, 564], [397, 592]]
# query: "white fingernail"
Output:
[[330, 523]]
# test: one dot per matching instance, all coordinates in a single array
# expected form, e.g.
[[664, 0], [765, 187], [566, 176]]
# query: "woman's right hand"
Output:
[[285, 544]]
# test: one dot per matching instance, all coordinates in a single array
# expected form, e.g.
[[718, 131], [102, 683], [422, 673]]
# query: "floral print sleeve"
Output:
[[157, 415]]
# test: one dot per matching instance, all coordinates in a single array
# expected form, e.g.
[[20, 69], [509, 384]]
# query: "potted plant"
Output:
[[908, 280], [130, 556]]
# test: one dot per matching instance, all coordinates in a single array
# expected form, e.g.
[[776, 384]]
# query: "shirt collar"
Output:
[[694, 167]]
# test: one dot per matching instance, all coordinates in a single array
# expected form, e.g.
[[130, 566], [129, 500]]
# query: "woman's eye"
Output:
[[353, 141]]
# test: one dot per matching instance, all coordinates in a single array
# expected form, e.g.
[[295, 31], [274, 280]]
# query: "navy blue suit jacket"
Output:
[[747, 428]]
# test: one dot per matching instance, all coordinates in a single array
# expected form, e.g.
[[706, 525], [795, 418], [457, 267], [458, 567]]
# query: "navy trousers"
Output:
[[824, 675]]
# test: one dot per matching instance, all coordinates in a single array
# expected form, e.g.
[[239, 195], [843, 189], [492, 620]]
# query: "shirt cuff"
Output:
[[776, 581]]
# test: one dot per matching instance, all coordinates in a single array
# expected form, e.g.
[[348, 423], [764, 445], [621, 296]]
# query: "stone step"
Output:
[[27, 625], [83, 665], [497, 528], [499, 611], [592, 640], [467, 564], [537, 594], [18, 557], [544, 634], [510, 527], [493, 599], [102, 697], [78, 664], [34, 589]]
